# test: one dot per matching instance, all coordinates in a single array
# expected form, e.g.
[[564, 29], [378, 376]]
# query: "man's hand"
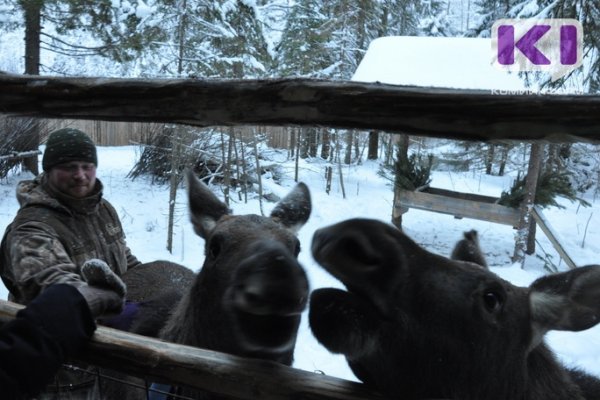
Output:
[[105, 291]]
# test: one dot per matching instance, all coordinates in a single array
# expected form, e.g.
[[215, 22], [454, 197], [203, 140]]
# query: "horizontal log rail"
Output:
[[212, 371], [20, 155], [448, 113]]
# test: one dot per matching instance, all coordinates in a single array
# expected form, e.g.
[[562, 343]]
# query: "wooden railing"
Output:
[[449, 113], [543, 223], [215, 372]]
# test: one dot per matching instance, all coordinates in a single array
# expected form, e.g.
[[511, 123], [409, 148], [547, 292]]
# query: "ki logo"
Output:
[[552, 45]]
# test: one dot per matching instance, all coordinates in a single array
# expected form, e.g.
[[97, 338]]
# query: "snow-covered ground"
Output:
[[143, 210]]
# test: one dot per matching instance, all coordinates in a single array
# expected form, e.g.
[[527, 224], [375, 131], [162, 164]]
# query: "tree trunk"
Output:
[[531, 237], [297, 144], [535, 158], [176, 161], [292, 145], [303, 142], [389, 150], [328, 176], [236, 161], [311, 138], [489, 159], [342, 180], [402, 154], [357, 151], [373, 151], [348, 152], [258, 174], [181, 33], [32, 10], [503, 159], [244, 171], [225, 162], [326, 144]]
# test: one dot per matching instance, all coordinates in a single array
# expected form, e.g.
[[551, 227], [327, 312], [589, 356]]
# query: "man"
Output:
[[63, 222]]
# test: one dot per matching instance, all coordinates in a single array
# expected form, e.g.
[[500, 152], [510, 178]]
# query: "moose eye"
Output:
[[492, 301], [214, 247]]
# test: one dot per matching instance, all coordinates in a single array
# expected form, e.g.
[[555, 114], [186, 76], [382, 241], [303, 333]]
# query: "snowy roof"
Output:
[[445, 62]]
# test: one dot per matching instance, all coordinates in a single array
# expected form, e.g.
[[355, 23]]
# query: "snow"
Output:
[[143, 210], [443, 62]]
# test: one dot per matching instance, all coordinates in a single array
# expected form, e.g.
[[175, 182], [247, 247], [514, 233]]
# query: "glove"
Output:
[[104, 291], [61, 312]]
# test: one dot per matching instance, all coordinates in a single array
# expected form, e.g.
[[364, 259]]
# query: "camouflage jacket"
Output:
[[53, 235]]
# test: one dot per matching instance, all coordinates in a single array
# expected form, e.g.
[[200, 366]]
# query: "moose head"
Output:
[[414, 324]]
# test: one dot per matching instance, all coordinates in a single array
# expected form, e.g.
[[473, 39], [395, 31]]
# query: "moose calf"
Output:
[[248, 296], [415, 325]]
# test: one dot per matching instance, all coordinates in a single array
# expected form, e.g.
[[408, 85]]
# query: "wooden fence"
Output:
[[453, 114], [111, 133], [446, 113], [123, 133], [220, 373]]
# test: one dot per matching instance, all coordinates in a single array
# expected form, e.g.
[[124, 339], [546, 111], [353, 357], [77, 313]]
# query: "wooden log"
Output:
[[17, 156], [455, 114], [212, 371], [458, 205], [543, 223]]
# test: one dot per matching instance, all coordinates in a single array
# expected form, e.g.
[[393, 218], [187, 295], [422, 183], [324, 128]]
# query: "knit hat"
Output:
[[66, 145]]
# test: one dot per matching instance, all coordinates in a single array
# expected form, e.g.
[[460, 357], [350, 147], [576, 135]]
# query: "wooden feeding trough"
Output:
[[469, 205], [461, 205]]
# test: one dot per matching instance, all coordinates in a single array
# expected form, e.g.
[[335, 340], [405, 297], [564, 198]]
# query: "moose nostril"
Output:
[[253, 300]]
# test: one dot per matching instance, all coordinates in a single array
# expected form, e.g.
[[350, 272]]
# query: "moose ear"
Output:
[[568, 301], [205, 207], [294, 209]]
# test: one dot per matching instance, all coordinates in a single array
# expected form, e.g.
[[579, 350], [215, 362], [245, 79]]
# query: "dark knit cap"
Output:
[[66, 145]]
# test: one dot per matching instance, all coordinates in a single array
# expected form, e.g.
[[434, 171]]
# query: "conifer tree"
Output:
[[304, 49], [120, 28], [242, 50]]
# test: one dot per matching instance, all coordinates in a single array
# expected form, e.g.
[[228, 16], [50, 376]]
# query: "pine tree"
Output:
[[433, 16], [489, 12], [413, 18], [229, 41], [353, 28], [304, 48], [120, 28], [243, 50]]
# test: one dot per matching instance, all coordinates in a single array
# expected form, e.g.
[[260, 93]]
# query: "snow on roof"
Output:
[[444, 62]]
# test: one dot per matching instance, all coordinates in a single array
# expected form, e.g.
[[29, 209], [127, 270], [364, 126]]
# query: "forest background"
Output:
[[242, 39]]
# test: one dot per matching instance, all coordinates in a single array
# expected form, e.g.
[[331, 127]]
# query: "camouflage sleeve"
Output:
[[38, 259], [132, 260]]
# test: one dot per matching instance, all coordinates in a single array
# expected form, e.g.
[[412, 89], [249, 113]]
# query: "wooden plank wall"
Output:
[[109, 133]]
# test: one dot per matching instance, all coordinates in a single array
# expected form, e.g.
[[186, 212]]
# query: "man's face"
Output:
[[75, 178]]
